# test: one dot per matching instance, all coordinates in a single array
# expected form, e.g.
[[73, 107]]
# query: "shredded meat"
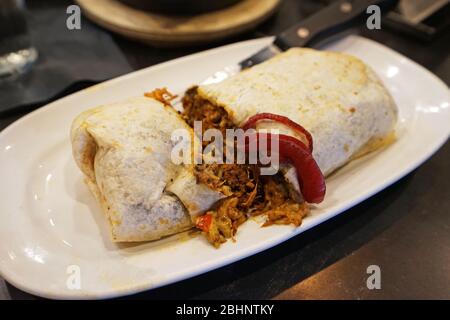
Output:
[[230, 179], [280, 208], [198, 109], [248, 193], [287, 213], [162, 95]]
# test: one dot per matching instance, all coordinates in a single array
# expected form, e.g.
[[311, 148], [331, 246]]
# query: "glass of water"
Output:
[[16, 52]]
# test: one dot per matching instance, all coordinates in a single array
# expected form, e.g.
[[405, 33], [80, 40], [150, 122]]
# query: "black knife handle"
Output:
[[329, 21]]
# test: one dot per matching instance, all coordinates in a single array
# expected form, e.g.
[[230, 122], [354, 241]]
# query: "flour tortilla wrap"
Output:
[[124, 150], [335, 96]]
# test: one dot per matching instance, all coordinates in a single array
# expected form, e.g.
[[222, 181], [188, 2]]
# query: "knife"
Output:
[[330, 21]]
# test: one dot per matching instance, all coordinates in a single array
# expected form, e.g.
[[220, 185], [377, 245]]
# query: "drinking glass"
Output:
[[16, 52]]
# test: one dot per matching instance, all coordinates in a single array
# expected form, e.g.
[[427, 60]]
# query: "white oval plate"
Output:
[[52, 231]]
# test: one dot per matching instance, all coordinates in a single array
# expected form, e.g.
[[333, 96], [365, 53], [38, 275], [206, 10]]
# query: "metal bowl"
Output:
[[180, 6]]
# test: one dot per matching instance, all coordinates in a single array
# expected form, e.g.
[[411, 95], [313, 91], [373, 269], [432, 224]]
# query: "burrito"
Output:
[[336, 98], [327, 109], [124, 150]]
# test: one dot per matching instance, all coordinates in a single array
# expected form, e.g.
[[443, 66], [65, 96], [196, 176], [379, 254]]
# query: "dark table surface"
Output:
[[405, 229]]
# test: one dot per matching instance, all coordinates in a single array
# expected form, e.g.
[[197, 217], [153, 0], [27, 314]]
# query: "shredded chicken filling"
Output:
[[248, 193], [198, 109]]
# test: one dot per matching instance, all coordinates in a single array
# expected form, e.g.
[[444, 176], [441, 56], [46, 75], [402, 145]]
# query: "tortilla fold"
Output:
[[124, 150]]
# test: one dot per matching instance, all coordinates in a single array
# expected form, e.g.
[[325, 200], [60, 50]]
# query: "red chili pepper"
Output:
[[310, 178], [251, 123], [204, 222]]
